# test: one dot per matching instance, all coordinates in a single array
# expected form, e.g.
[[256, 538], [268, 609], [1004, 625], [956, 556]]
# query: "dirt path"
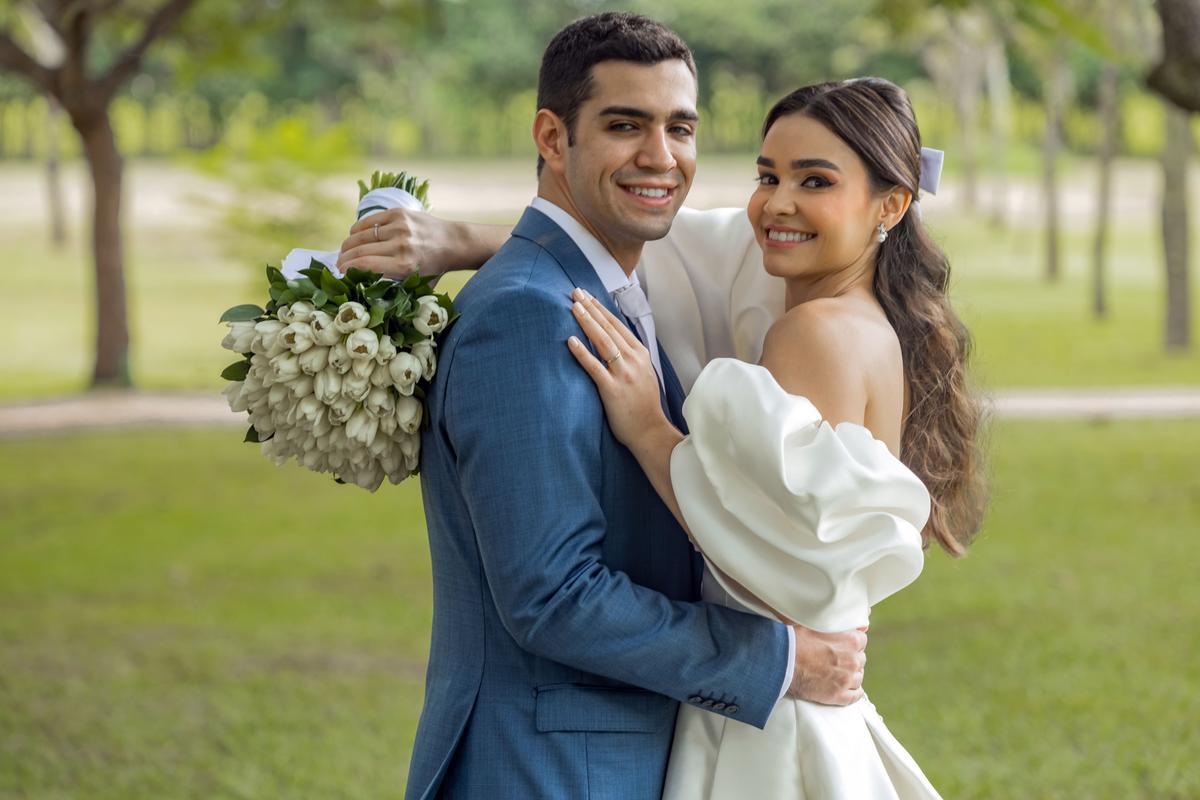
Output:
[[95, 410]]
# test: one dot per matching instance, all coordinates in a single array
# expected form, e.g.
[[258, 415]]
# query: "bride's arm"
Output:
[[411, 240], [629, 388]]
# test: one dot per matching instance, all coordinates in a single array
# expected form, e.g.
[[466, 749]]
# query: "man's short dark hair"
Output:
[[565, 78]]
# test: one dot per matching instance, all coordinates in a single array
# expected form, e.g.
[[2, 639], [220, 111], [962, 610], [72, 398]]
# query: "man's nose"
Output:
[[655, 153]]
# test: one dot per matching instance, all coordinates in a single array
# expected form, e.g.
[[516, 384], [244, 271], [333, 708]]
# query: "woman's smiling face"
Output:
[[813, 212]]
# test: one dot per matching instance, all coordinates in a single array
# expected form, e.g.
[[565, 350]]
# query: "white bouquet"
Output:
[[334, 368]]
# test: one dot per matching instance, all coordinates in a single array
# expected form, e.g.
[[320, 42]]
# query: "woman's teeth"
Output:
[[788, 236], [638, 190]]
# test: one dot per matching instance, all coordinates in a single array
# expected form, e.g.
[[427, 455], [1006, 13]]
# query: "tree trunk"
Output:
[[1175, 159], [1055, 100], [58, 214], [112, 328], [1110, 124], [999, 90]]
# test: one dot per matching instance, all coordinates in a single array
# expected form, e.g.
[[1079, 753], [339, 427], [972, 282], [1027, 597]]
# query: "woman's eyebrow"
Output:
[[801, 163]]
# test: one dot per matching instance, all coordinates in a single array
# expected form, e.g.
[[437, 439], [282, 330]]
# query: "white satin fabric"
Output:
[[805, 523]]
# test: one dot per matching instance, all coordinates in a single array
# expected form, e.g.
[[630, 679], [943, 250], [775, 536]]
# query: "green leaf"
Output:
[[275, 293], [237, 371], [251, 435], [332, 286], [314, 273], [378, 289], [319, 298], [286, 298], [379, 309], [242, 313], [275, 277], [360, 277]]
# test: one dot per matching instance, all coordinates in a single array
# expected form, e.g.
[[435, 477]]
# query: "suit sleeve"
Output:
[[525, 423]]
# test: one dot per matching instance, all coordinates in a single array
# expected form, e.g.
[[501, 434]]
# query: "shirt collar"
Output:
[[602, 261]]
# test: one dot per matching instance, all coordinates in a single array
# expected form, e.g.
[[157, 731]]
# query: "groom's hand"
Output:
[[829, 666], [411, 241]]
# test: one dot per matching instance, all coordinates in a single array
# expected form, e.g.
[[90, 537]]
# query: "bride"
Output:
[[811, 482]]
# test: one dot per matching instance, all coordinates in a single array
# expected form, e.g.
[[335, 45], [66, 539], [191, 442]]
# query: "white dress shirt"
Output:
[[611, 274]]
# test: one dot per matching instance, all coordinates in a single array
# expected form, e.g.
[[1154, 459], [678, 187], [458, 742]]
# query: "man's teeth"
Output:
[[643, 192], [787, 236]]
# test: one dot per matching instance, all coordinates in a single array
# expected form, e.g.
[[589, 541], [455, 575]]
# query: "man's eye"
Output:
[[681, 130], [621, 126]]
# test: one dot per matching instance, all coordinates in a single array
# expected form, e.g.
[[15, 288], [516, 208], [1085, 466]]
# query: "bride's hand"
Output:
[[628, 384]]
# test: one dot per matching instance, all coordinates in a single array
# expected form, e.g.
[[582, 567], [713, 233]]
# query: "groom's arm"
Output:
[[526, 423]]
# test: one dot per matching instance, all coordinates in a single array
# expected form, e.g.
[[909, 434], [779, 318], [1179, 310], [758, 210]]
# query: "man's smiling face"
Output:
[[634, 151]]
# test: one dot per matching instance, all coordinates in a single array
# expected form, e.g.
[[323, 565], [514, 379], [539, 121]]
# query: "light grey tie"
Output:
[[636, 306]]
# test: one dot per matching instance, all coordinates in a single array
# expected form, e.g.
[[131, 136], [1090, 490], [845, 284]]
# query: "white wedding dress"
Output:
[[801, 522]]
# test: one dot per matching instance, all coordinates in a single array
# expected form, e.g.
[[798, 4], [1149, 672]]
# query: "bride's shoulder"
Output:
[[827, 350]]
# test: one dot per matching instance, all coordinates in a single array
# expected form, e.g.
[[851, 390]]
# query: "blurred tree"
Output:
[[48, 50], [1176, 154], [1177, 75], [86, 93]]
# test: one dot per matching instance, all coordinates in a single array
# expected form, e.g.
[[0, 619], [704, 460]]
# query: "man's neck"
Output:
[[626, 256]]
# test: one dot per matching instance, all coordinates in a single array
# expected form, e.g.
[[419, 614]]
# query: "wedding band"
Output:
[[377, 231], [609, 363]]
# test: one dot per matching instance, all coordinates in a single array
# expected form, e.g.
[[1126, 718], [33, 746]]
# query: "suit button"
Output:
[[732, 709], [708, 703], [719, 707], [695, 699]]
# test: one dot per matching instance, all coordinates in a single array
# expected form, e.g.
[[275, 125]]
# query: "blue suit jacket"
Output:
[[565, 627]]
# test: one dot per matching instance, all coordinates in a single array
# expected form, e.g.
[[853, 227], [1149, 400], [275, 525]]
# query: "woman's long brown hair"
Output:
[[940, 440]]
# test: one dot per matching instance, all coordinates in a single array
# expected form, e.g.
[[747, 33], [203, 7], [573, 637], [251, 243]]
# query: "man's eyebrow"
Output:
[[801, 163], [639, 113]]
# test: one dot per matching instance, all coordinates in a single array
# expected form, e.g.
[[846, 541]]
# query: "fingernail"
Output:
[[578, 307], [573, 341], [578, 293], [584, 292]]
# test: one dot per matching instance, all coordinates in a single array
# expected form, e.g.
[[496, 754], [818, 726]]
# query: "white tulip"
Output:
[[380, 446], [379, 402], [235, 396], [387, 350], [369, 477], [277, 394], [380, 376], [310, 407], [240, 337], [314, 359], [301, 387], [408, 414], [405, 370], [351, 316], [339, 358], [340, 411], [362, 344], [325, 333], [297, 337], [285, 314], [410, 444], [387, 424], [302, 311], [362, 427], [327, 385], [355, 387], [321, 423], [431, 317], [264, 335], [285, 366], [424, 353], [363, 367]]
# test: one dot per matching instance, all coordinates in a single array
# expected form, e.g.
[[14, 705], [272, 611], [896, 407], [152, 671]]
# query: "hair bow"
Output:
[[931, 169]]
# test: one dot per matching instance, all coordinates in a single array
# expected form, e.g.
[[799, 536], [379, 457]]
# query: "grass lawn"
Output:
[[180, 619], [180, 279]]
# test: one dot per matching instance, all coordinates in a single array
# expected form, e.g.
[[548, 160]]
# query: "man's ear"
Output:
[[550, 137], [895, 203]]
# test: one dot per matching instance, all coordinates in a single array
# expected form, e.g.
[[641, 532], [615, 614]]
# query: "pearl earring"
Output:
[[882, 236]]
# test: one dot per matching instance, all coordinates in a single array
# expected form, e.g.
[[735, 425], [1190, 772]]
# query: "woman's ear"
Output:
[[895, 204]]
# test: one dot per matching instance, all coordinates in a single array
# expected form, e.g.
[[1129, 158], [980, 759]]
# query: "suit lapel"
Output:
[[543, 231]]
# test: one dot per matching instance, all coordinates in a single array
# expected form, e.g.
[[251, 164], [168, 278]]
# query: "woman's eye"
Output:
[[815, 182], [766, 180]]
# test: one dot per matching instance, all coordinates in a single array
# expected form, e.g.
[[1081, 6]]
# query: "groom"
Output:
[[566, 628]]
